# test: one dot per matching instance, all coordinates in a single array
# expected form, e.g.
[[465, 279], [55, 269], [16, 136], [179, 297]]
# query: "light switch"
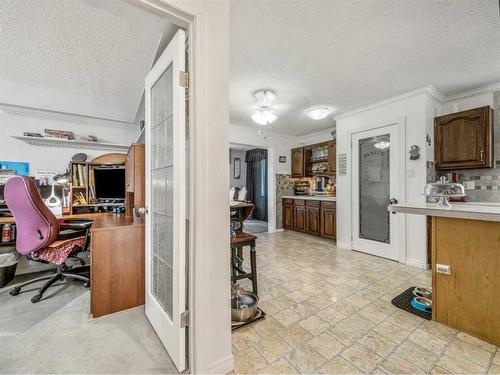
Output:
[[411, 172]]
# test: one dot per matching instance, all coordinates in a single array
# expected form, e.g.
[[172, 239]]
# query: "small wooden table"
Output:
[[244, 210]]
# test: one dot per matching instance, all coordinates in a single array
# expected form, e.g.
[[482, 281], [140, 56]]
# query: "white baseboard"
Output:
[[276, 230], [223, 366], [416, 263]]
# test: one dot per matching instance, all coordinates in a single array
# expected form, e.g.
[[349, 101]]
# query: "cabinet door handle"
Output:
[[481, 155]]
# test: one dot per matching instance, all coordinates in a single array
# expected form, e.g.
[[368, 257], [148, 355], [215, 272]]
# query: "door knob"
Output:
[[142, 210], [393, 201]]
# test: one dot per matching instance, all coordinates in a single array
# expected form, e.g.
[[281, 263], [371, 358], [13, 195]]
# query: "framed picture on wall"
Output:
[[236, 168]]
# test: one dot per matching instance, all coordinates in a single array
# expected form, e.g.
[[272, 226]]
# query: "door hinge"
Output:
[[185, 319], [183, 79]]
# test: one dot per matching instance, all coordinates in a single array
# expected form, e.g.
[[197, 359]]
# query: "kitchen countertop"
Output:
[[311, 197], [470, 210]]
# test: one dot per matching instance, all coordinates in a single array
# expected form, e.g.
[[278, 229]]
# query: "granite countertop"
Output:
[[470, 210], [311, 197]]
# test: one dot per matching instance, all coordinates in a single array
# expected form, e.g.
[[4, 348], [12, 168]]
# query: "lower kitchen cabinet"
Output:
[[328, 223], [288, 213], [299, 218], [310, 216]]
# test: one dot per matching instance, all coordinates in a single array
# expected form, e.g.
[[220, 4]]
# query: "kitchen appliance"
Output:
[[243, 304], [301, 187], [324, 186], [443, 190]]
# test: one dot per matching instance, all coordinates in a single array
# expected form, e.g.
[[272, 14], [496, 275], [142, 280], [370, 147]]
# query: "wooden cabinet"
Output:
[[299, 218], [134, 179], [116, 264], [328, 220], [464, 139], [298, 164], [288, 214], [332, 156], [310, 216]]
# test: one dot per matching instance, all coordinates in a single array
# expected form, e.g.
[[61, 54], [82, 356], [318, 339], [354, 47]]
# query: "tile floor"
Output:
[[329, 311]]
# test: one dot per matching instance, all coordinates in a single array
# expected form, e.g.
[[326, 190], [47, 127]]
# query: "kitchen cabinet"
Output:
[[316, 217], [332, 156], [134, 179], [464, 139], [299, 215], [328, 220], [312, 217], [288, 213], [298, 162]]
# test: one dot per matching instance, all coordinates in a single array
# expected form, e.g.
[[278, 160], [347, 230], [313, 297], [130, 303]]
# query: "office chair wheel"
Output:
[[36, 298], [15, 291]]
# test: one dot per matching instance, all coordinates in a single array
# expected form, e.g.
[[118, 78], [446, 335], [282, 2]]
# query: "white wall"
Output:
[[281, 144], [54, 158], [317, 137], [410, 111]]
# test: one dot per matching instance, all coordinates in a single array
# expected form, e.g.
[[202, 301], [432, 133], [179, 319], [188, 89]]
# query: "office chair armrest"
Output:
[[75, 224]]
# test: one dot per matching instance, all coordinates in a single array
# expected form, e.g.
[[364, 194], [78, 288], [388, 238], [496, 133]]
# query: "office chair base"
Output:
[[52, 279]]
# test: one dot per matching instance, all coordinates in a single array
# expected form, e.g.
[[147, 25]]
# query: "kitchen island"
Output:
[[314, 215], [465, 249]]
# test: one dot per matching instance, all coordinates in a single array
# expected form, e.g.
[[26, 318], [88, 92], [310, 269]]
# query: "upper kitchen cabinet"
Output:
[[464, 140], [298, 164]]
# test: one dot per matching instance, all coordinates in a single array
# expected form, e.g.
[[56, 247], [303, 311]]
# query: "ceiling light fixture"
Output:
[[382, 145], [318, 113], [264, 98], [264, 116]]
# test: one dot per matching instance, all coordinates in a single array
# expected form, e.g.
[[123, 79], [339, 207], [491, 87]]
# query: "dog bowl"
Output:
[[422, 304], [422, 292], [243, 306]]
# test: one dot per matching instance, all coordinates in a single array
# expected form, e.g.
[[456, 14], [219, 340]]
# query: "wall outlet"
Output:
[[443, 268], [469, 185]]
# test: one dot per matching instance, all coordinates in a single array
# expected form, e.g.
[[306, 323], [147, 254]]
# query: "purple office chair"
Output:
[[41, 237]]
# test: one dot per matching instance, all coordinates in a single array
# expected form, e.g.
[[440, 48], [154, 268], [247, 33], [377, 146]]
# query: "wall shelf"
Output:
[[55, 142]]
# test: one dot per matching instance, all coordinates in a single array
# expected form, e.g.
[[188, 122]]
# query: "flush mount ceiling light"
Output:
[[318, 113], [382, 145], [263, 116], [264, 98]]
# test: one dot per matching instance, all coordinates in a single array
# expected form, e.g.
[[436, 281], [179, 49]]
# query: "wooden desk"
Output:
[[116, 264], [116, 261]]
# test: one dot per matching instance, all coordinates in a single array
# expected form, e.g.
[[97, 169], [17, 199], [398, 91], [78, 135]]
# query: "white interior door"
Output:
[[376, 175], [166, 199]]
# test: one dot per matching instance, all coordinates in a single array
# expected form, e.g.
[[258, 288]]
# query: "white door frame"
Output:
[[209, 345], [271, 186], [401, 123]]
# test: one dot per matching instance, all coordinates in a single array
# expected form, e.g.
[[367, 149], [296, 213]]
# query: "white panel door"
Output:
[[376, 175], [166, 199]]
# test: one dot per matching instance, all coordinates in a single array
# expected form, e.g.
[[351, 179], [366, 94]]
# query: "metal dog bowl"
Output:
[[243, 305], [422, 304], [423, 292]]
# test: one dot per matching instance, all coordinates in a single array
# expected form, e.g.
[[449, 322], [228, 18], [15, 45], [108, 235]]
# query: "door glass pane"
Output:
[[374, 188], [162, 193]]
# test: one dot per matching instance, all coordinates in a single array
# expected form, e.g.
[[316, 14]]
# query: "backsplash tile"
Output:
[[284, 186]]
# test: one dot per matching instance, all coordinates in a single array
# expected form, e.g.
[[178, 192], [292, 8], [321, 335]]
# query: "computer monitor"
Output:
[[109, 183]]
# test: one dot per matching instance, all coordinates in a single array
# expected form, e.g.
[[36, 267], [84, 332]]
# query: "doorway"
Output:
[[376, 174], [254, 167]]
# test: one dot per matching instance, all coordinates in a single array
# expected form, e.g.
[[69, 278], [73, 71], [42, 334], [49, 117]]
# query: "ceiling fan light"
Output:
[[264, 117], [318, 113], [264, 98]]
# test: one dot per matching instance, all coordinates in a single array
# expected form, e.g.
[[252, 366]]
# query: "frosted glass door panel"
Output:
[[374, 188], [162, 191]]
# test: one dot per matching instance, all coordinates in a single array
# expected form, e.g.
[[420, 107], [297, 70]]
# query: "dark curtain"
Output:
[[257, 181]]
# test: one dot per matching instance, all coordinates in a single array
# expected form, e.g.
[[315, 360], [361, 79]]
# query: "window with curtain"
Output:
[[257, 182]]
